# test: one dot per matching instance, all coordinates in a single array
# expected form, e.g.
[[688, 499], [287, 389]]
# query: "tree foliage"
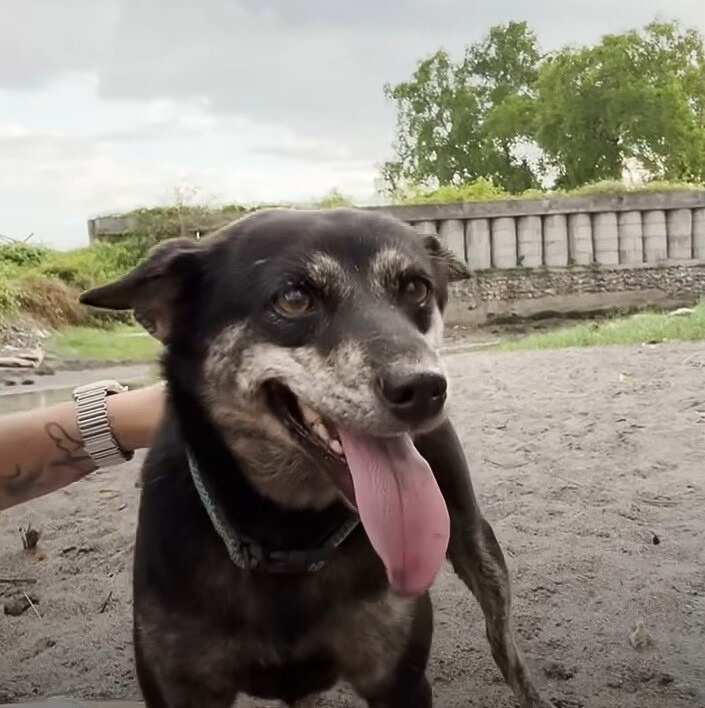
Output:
[[584, 114], [460, 121]]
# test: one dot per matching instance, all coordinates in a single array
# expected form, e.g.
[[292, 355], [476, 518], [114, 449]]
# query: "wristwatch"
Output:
[[94, 425]]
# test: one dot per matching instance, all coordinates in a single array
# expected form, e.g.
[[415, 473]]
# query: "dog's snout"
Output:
[[413, 398]]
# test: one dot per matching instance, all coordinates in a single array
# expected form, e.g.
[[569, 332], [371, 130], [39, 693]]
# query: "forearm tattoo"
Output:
[[72, 464], [73, 453]]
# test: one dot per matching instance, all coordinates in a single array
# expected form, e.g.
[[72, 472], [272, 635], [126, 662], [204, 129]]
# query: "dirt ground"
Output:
[[589, 464]]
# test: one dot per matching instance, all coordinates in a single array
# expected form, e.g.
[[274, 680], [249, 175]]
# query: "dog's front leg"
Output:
[[478, 560]]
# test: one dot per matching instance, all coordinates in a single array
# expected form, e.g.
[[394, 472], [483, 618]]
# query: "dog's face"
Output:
[[316, 328]]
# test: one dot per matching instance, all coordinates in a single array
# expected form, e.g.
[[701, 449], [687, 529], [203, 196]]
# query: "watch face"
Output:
[[116, 388], [109, 386]]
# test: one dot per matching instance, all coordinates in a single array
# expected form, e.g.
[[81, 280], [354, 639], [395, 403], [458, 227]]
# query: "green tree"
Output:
[[634, 97], [438, 117], [457, 122], [504, 68]]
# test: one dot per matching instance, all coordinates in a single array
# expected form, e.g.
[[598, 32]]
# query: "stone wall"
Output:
[[497, 295]]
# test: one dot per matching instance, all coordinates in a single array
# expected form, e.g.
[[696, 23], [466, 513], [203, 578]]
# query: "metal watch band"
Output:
[[94, 426]]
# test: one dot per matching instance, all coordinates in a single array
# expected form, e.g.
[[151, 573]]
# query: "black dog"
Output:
[[305, 486]]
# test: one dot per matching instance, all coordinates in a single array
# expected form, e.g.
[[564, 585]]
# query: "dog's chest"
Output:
[[359, 642]]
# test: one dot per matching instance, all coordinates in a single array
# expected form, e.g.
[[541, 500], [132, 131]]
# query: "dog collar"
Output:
[[250, 555]]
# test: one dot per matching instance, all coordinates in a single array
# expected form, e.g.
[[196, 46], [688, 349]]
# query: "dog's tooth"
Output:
[[336, 446], [321, 431], [310, 416]]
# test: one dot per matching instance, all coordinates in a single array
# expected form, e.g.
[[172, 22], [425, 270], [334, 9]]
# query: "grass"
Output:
[[633, 329], [122, 343], [131, 343]]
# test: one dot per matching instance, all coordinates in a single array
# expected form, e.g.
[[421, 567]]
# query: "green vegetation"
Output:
[[121, 343], [634, 100], [152, 224], [649, 326], [45, 284], [485, 190]]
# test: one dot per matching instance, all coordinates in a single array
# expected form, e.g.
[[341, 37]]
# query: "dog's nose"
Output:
[[413, 398]]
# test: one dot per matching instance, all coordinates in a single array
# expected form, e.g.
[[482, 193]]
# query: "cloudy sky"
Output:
[[110, 104]]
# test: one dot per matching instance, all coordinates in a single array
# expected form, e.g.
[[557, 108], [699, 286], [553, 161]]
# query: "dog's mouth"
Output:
[[384, 479], [318, 436]]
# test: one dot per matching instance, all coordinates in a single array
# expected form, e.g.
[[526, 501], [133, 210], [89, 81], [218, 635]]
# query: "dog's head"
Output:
[[313, 338]]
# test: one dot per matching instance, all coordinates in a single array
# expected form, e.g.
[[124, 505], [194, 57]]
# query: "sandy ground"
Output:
[[590, 465]]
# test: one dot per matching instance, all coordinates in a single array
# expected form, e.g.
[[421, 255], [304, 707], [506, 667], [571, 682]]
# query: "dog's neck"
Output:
[[248, 512]]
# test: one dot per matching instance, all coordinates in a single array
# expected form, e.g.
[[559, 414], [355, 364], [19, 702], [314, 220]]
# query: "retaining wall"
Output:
[[570, 256], [558, 255], [617, 229]]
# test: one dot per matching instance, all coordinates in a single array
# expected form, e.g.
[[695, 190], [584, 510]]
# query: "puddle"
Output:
[[47, 391], [27, 400]]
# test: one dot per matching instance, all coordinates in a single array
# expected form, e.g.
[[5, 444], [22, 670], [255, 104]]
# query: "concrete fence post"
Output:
[[699, 234], [679, 227], [530, 241], [631, 245], [580, 250], [426, 227], [504, 242], [477, 244], [606, 238], [555, 240], [655, 236], [452, 235]]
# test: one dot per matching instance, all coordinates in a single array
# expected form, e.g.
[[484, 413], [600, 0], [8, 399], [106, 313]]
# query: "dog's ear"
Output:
[[454, 268], [151, 288]]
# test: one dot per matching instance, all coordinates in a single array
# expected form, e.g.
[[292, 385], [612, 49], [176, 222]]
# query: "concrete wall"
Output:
[[570, 256], [602, 240], [606, 230]]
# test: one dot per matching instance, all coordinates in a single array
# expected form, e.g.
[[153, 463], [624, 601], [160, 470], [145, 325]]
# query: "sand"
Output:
[[590, 464]]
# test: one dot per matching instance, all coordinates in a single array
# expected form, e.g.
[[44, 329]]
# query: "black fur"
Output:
[[195, 611]]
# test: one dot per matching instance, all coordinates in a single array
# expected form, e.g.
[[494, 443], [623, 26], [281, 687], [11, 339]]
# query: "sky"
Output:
[[107, 105]]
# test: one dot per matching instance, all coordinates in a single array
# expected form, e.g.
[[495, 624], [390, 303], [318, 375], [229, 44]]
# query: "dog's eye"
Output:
[[294, 301], [415, 290]]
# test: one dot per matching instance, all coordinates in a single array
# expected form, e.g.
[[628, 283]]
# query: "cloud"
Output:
[[54, 179], [313, 65], [110, 103], [43, 39]]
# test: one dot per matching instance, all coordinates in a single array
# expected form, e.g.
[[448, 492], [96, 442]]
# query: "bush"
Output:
[[95, 264], [46, 284], [9, 302], [22, 254], [155, 224], [481, 189], [485, 190], [333, 199], [49, 301]]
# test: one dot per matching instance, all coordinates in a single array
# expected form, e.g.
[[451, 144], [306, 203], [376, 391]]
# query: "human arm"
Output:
[[41, 450]]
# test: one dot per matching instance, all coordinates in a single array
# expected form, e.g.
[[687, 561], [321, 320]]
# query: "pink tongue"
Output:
[[401, 508]]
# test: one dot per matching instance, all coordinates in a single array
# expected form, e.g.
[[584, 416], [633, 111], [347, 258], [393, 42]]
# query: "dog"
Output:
[[305, 485]]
